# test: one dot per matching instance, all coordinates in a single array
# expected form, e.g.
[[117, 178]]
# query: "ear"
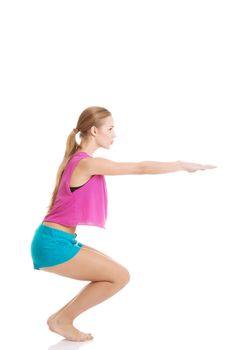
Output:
[[93, 130]]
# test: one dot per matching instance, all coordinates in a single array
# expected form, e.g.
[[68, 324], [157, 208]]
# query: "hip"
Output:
[[68, 229]]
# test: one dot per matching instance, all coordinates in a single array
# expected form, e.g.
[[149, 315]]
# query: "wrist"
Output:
[[180, 165]]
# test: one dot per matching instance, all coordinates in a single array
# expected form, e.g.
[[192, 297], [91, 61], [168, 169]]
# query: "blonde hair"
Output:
[[91, 116]]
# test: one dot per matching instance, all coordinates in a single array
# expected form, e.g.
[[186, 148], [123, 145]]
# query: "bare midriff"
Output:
[[68, 229]]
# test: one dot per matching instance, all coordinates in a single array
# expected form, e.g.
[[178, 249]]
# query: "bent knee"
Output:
[[123, 276]]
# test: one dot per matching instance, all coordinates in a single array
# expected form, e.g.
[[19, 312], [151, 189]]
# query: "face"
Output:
[[106, 134]]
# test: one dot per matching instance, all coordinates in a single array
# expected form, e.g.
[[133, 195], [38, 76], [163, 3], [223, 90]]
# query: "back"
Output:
[[85, 206]]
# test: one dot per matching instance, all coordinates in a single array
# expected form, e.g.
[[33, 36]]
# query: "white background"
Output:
[[165, 71]]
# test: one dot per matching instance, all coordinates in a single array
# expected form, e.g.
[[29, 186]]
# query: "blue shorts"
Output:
[[51, 246]]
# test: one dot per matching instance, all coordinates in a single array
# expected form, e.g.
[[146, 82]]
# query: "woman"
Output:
[[80, 197]]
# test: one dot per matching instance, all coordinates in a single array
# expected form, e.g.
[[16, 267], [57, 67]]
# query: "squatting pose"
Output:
[[80, 198]]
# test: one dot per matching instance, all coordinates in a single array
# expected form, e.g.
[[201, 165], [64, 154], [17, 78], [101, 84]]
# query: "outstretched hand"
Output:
[[191, 167]]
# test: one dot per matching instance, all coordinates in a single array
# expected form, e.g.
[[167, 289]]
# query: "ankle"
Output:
[[64, 320]]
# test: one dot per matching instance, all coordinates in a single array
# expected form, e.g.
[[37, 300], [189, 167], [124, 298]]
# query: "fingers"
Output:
[[192, 167], [201, 167], [210, 166]]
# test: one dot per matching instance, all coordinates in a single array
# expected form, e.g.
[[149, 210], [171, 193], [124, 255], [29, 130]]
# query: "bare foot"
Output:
[[68, 331]]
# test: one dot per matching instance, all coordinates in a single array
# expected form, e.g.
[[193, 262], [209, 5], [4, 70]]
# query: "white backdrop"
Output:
[[165, 71]]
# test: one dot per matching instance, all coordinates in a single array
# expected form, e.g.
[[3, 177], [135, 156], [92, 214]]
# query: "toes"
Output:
[[89, 337]]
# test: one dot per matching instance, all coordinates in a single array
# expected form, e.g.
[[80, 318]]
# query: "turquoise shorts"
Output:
[[51, 246]]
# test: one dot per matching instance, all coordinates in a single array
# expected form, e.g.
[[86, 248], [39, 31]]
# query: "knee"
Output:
[[123, 277]]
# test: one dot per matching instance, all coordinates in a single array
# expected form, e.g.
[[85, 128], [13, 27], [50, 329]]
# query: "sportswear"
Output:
[[85, 206]]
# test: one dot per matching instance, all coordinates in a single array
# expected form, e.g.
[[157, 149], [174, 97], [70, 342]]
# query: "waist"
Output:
[[68, 229]]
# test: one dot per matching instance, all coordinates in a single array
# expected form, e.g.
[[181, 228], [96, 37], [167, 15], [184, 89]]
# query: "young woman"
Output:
[[80, 198]]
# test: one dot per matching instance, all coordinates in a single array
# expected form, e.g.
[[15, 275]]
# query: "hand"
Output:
[[191, 167]]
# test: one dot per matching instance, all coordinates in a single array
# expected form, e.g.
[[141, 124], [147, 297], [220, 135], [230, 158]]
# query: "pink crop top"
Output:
[[85, 206]]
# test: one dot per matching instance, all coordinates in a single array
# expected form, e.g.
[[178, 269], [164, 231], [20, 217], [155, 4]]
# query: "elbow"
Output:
[[141, 168]]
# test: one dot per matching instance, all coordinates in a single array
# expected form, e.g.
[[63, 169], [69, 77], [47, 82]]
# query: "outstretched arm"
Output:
[[102, 166], [150, 167]]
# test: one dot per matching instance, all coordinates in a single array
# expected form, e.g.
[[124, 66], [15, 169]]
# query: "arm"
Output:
[[150, 167], [102, 166]]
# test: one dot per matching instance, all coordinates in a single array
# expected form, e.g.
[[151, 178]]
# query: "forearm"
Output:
[[150, 167]]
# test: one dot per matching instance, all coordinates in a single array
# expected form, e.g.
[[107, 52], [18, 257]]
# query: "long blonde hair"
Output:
[[91, 116]]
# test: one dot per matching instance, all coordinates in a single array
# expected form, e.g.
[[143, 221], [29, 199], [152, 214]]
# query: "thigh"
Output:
[[90, 265], [97, 251]]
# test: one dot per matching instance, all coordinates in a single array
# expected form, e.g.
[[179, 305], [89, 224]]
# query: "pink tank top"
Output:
[[85, 206]]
